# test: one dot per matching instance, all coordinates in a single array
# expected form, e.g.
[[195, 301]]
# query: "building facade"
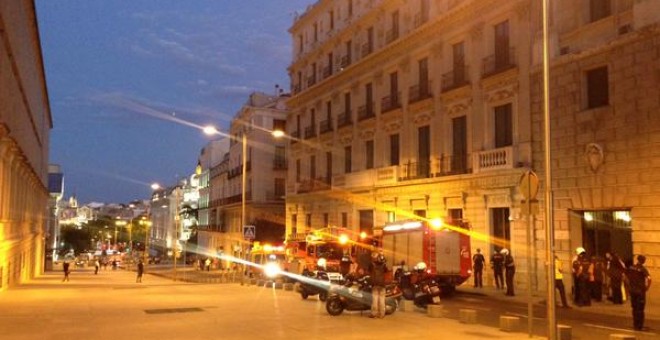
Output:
[[25, 124], [432, 109], [264, 178]]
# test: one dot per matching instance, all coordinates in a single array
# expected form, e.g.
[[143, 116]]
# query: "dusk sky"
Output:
[[117, 71]]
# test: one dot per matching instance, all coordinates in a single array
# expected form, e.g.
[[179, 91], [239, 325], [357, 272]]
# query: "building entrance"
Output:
[[607, 231]]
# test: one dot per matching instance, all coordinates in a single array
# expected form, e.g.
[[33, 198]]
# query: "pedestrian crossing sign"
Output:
[[249, 232]]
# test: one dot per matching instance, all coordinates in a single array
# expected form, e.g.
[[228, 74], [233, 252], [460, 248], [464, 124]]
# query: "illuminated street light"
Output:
[[155, 186], [210, 130]]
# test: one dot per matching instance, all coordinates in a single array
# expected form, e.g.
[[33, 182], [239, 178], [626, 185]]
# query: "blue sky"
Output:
[[118, 70]]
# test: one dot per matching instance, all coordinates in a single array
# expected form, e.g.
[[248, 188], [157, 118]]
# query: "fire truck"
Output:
[[330, 244], [444, 248], [262, 254]]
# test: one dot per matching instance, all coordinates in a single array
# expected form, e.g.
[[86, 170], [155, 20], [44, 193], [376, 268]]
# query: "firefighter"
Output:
[[582, 271], [497, 263], [510, 271], [478, 267], [639, 282]]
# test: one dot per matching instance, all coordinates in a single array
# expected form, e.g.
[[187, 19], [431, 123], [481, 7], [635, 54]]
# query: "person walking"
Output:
[[377, 269], [97, 265], [615, 268], [583, 271], [639, 282], [497, 263], [478, 269], [510, 271], [559, 282], [140, 271], [65, 269]]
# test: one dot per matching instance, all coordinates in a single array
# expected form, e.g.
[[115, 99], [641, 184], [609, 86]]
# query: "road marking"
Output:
[[524, 315], [619, 329]]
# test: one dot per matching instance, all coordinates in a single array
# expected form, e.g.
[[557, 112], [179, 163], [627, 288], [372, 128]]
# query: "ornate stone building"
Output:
[[25, 124], [409, 109]]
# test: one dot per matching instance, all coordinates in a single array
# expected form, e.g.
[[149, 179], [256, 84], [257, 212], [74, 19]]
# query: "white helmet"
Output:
[[579, 250], [504, 251], [420, 267]]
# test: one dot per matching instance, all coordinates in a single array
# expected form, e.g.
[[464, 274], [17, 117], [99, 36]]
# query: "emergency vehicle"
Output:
[[263, 254], [329, 244], [444, 248]]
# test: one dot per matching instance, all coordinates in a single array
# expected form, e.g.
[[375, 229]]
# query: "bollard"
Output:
[[468, 316], [407, 306], [622, 337], [253, 281], [564, 332], [509, 323], [435, 311], [288, 286], [269, 284], [279, 285]]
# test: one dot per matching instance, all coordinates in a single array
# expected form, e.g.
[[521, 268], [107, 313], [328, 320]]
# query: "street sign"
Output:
[[529, 208], [249, 231], [528, 185]]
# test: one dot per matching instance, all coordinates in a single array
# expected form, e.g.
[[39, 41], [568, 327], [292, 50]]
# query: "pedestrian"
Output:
[[65, 269], [596, 279], [559, 282], [377, 269], [478, 269], [639, 282], [510, 271], [583, 271], [97, 265], [140, 271], [615, 270], [497, 263], [207, 263], [114, 264]]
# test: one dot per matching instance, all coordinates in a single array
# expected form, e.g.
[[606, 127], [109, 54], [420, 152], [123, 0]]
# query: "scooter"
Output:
[[318, 283], [418, 287], [356, 296]]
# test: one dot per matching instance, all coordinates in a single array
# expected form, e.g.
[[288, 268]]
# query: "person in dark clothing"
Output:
[[377, 270], [510, 271], [615, 269], [497, 263], [140, 271], [345, 265], [478, 269], [596, 279], [65, 269], [639, 282], [582, 270]]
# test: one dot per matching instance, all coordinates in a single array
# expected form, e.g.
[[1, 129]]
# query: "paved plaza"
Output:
[[112, 306]]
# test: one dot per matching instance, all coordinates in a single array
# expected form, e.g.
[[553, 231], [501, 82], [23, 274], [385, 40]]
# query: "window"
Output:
[[458, 53], [279, 187], [599, 9], [423, 77], [424, 151], [279, 159], [369, 96], [330, 66], [300, 43], [308, 221], [331, 14], [395, 24], [500, 228], [347, 159], [367, 221], [394, 87], [369, 153], [312, 167], [597, 88], [394, 149], [328, 167], [503, 126], [459, 145], [370, 39], [279, 124], [349, 53], [502, 59], [350, 7], [297, 170], [391, 216], [344, 220], [294, 223], [316, 32], [347, 103], [607, 231], [298, 124], [326, 220]]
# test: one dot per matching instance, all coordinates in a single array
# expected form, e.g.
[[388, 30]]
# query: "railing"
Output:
[[421, 18], [455, 78], [238, 170], [327, 72], [420, 92], [415, 170], [326, 126], [279, 163], [236, 198], [499, 62], [366, 111], [434, 167], [390, 102], [344, 119], [367, 49], [345, 61], [501, 158], [310, 132], [391, 35], [311, 80]]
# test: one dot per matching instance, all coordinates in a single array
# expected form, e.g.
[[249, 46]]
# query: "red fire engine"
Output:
[[330, 243], [445, 248]]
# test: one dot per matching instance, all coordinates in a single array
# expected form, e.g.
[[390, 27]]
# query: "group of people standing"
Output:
[[503, 267]]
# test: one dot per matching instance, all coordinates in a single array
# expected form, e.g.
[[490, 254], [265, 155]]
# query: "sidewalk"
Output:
[[605, 307]]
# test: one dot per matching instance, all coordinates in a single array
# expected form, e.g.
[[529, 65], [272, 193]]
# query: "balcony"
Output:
[[391, 35], [238, 170], [455, 78], [345, 61], [311, 80], [327, 72], [390, 103], [344, 119], [326, 126], [421, 18], [310, 132], [496, 159], [415, 170], [295, 136], [367, 49], [434, 167], [311, 185], [499, 62], [420, 92], [366, 111], [279, 163]]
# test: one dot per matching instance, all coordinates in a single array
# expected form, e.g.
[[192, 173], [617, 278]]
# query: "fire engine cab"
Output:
[[329, 244], [263, 254], [444, 248]]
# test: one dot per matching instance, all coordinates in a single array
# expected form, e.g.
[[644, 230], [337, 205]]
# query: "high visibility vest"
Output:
[[558, 274]]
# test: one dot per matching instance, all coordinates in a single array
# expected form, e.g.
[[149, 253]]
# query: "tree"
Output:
[[74, 237]]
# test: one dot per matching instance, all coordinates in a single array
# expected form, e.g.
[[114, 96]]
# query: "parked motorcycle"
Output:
[[356, 296], [318, 283], [419, 287]]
